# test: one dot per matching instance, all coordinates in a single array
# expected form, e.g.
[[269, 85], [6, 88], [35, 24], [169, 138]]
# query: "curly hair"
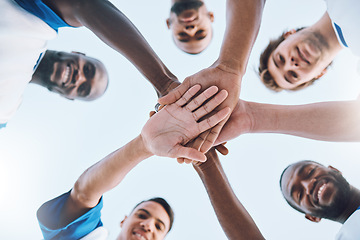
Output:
[[263, 71]]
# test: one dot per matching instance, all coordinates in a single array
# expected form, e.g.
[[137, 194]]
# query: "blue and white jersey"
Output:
[[23, 38], [351, 228], [345, 15]]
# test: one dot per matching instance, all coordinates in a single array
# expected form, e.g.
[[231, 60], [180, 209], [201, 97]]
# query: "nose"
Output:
[[190, 30], [148, 225], [308, 185], [294, 61]]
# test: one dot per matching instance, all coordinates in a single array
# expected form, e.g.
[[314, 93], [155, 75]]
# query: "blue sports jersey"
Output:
[[49, 214], [42, 11]]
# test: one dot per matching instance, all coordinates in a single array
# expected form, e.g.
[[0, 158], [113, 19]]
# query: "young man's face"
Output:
[[301, 57], [315, 189], [73, 75], [190, 23], [148, 221]]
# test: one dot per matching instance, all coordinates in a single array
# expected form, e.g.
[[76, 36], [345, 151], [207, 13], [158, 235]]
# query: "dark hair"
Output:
[[164, 204], [263, 71]]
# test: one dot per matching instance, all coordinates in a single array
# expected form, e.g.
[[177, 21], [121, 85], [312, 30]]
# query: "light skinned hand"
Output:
[[166, 132], [219, 76]]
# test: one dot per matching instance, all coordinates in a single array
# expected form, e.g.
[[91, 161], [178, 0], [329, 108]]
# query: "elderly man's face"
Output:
[[73, 75], [190, 23]]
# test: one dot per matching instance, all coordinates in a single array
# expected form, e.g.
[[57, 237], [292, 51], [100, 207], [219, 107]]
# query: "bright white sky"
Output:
[[51, 141]]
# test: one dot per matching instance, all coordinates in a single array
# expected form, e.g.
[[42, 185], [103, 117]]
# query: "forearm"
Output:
[[233, 217], [243, 23], [326, 121], [108, 173], [117, 31]]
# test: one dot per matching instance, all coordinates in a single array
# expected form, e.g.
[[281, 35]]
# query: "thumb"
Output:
[[189, 153]]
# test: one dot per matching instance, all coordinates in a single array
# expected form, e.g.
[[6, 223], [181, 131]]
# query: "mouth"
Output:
[[66, 76], [303, 55], [319, 190], [140, 235]]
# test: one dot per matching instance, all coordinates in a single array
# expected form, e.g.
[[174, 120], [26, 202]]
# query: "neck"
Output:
[[325, 28], [353, 204]]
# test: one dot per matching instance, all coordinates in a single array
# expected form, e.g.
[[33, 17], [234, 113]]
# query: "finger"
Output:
[[188, 161], [213, 120], [184, 99], [189, 153], [211, 105], [222, 149], [180, 160], [199, 100], [175, 94], [152, 113], [211, 137]]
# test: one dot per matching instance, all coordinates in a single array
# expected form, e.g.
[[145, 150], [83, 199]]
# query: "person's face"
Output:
[[74, 75], [301, 57], [148, 221], [316, 190], [190, 23]]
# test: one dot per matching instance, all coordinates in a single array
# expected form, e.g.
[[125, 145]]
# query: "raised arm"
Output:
[[232, 215], [161, 136], [243, 23], [336, 121], [117, 31]]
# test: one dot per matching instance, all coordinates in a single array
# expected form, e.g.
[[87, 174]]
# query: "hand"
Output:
[[166, 132], [219, 76], [212, 159], [240, 122]]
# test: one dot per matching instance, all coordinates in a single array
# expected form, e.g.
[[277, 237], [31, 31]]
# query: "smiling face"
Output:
[[300, 58], [148, 221], [73, 75], [315, 189], [190, 23]]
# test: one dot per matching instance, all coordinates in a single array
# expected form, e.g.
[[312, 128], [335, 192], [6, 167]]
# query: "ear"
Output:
[[312, 218], [78, 53], [122, 222], [335, 169], [168, 23], [211, 16], [288, 33], [321, 74]]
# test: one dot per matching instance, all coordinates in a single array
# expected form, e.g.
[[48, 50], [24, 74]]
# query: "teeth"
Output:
[[320, 190], [140, 236], [66, 75]]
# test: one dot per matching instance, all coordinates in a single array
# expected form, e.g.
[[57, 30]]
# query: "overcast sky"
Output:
[[51, 140]]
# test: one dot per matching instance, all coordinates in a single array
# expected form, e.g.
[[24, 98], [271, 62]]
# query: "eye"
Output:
[[311, 172], [89, 70], [158, 226], [293, 74], [142, 216], [84, 89], [282, 59], [300, 195], [182, 34]]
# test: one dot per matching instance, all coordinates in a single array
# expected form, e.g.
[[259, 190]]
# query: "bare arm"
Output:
[[156, 138], [233, 217], [117, 31], [327, 121]]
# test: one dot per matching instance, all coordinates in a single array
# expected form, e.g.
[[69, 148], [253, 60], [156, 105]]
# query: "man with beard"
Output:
[[76, 214], [27, 26], [322, 192], [190, 23], [297, 58]]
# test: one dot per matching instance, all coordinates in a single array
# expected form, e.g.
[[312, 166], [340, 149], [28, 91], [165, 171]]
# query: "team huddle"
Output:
[[193, 119]]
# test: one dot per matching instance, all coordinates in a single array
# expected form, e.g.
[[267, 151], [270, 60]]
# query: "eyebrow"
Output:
[[148, 213]]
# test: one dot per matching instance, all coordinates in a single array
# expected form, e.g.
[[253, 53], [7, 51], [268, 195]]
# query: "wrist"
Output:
[[142, 148], [169, 83]]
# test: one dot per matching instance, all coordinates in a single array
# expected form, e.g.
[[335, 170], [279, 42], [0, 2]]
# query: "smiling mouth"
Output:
[[66, 76], [139, 236]]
